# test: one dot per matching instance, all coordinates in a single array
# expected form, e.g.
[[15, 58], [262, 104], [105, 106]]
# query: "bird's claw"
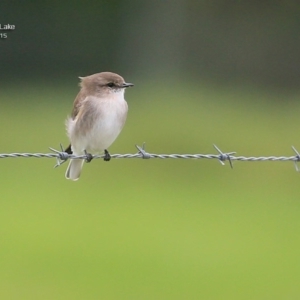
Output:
[[107, 156], [89, 156]]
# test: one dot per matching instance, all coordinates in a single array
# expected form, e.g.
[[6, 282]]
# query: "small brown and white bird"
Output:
[[98, 116]]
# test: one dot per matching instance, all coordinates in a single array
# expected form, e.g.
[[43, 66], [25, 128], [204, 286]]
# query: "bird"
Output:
[[98, 116]]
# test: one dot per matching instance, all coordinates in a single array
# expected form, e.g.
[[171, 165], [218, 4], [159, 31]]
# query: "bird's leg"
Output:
[[107, 156], [89, 156]]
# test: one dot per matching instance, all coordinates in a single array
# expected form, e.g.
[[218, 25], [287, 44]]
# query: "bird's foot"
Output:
[[69, 150], [89, 156], [107, 156]]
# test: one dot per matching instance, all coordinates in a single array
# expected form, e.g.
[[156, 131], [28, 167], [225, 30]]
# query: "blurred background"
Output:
[[205, 72]]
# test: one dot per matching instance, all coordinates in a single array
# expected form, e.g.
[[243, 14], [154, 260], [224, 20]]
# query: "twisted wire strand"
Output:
[[62, 156], [153, 155]]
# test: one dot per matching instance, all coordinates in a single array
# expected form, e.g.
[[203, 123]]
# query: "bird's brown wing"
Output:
[[77, 104], [76, 107]]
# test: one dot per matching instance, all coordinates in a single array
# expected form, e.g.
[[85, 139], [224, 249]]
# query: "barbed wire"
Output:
[[62, 156]]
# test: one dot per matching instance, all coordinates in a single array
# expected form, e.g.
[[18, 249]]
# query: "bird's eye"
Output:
[[110, 84]]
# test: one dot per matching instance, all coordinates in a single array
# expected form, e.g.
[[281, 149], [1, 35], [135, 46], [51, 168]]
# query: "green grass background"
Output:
[[152, 229]]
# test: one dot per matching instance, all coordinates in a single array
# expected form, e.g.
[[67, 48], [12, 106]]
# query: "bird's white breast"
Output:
[[108, 118]]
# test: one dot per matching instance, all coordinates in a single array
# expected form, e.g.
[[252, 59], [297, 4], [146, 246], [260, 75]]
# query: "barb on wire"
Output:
[[224, 156], [297, 158], [142, 151], [62, 156]]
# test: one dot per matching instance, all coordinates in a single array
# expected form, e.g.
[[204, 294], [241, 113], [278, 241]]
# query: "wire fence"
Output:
[[62, 156]]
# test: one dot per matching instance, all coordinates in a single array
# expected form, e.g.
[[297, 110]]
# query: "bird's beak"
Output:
[[125, 85]]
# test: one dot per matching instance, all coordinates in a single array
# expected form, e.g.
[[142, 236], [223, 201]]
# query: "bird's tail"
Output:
[[74, 169]]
